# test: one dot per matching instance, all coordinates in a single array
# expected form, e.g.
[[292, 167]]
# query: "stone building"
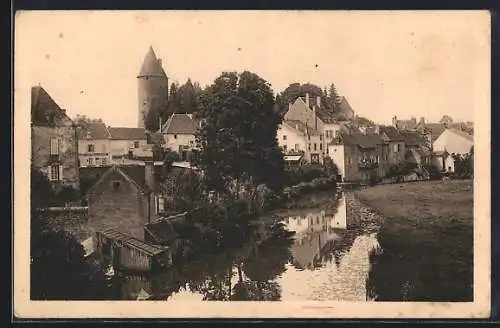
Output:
[[152, 87], [124, 200], [54, 142]]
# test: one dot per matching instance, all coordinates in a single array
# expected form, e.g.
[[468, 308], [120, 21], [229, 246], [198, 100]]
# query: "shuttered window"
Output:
[[56, 172]]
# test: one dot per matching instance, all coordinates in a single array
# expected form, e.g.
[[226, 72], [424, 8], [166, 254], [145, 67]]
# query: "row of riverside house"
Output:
[[360, 152]]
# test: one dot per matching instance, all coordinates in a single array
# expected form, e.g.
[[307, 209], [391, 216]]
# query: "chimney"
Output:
[[318, 101], [395, 121], [377, 129], [159, 61], [149, 171], [307, 99]]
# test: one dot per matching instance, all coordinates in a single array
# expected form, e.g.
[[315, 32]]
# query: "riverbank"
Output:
[[426, 237]]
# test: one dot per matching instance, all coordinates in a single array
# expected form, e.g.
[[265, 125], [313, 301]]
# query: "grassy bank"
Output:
[[427, 241]]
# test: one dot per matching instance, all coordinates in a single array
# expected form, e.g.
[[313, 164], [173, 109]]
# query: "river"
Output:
[[318, 253]]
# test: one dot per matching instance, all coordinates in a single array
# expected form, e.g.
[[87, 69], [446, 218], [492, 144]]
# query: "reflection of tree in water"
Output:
[[265, 264], [211, 276]]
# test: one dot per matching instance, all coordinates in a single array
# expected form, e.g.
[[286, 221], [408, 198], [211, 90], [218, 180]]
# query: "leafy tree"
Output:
[[237, 138], [331, 167], [152, 119], [42, 192], [58, 270], [169, 158]]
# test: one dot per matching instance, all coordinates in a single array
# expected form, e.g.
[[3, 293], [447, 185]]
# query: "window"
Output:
[[320, 146], [90, 148], [191, 142], [54, 146], [309, 146], [104, 161], [136, 144], [161, 204], [90, 161], [396, 148], [297, 146], [284, 148], [284, 137], [314, 146], [320, 137], [55, 172], [327, 150], [175, 136]]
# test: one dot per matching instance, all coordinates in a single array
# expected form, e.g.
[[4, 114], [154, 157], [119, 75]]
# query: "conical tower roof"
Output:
[[151, 65]]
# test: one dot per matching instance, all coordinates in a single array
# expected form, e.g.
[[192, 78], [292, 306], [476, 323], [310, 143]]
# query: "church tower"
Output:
[[153, 87]]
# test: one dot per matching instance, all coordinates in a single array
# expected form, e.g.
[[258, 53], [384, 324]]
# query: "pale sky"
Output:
[[404, 64]]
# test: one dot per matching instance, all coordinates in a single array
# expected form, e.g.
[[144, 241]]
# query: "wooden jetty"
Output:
[[130, 253]]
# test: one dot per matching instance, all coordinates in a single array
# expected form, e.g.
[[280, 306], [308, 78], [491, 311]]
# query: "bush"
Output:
[[304, 173], [433, 170]]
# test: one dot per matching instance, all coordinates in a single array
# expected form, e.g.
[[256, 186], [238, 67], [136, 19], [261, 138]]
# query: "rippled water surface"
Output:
[[326, 259]]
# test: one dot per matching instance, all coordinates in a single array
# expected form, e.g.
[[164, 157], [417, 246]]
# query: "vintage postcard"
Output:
[[252, 164]]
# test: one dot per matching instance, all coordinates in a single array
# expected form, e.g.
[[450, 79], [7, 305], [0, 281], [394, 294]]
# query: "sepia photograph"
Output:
[[252, 164]]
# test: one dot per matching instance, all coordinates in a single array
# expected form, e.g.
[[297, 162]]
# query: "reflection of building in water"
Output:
[[313, 231]]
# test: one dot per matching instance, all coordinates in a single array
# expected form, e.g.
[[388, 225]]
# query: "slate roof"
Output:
[[151, 66], [391, 132], [361, 140], [413, 138], [161, 230], [93, 130], [435, 130], [127, 133], [180, 124], [301, 127], [134, 174], [345, 108], [44, 110], [463, 134]]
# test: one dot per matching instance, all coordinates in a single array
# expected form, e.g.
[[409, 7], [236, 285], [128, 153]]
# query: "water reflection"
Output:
[[327, 258]]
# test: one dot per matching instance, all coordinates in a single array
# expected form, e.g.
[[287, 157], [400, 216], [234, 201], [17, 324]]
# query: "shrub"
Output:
[[433, 172]]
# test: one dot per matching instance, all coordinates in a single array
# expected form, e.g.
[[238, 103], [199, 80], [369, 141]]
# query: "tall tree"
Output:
[[334, 101], [187, 98], [238, 135]]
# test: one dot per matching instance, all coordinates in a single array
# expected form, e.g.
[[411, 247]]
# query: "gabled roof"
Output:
[[435, 129], [180, 124], [462, 134], [93, 130], [44, 110], [391, 132], [345, 107], [413, 138], [151, 66], [301, 127], [136, 180], [127, 133]]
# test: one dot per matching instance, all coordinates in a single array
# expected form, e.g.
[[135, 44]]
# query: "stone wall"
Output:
[[68, 153]]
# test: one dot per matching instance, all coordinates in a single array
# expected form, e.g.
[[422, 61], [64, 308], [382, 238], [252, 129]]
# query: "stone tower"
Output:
[[153, 87]]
